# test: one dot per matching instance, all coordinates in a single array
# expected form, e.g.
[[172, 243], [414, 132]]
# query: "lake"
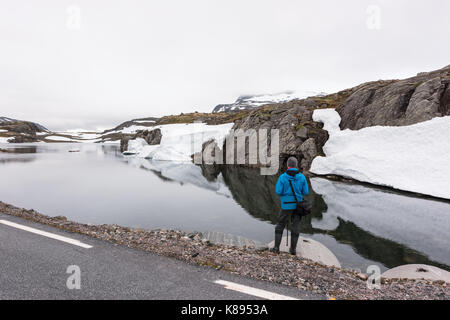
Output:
[[362, 225]]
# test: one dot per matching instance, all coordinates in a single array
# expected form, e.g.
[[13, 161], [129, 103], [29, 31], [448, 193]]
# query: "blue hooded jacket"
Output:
[[283, 188]]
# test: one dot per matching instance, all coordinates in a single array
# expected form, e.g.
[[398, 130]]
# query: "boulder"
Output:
[[417, 271], [312, 250], [152, 137]]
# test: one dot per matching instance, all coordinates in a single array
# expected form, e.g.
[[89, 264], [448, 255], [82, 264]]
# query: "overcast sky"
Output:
[[95, 63]]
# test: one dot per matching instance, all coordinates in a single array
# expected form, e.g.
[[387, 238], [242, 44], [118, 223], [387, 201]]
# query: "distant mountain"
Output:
[[21, 126], [142, 122], [13, 130], [254, 101]]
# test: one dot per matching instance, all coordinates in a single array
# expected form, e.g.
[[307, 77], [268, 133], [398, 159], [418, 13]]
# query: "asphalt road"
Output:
[[33, 266]]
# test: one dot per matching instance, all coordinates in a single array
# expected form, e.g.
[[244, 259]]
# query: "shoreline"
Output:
[[248, 261]]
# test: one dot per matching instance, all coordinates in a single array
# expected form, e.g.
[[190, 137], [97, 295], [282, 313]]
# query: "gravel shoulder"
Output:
[[249, 262]]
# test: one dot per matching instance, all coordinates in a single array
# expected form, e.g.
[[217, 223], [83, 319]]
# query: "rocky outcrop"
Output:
[[152, 137], [385, 103], [19, 131], [398, 103], [24, 138], [20, 126], [299, 135]]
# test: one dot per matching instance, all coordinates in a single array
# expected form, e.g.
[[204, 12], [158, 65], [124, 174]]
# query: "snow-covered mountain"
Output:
[[132, 125], [253, 101]]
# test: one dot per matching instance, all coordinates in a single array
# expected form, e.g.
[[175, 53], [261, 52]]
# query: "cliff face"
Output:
[[398, 103], [384, 103]]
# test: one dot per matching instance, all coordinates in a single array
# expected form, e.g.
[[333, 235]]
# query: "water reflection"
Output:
[[361, 225], [19, 149], [381, 226]]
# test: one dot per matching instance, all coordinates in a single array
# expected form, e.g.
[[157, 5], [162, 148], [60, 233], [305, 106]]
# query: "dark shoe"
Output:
[[294, 240], [276, 247], [275, 250]]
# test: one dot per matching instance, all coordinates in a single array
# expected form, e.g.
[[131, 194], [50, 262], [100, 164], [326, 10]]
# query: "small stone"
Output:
[[362, 276]]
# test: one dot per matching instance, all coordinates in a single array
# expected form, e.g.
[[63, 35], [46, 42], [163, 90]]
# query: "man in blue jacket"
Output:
[[288, 203]]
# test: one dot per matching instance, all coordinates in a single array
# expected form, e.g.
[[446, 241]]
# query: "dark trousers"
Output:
[[284, 217]]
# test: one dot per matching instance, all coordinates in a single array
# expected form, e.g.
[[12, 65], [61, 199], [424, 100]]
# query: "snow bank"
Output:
[[180, 141], [59, 138], [411, 158]]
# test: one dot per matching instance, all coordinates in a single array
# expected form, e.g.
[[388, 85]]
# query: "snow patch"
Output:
[[177, 142], [58, 138], [411, 158]]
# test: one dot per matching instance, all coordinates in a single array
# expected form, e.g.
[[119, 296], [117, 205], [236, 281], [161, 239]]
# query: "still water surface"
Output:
[[360, 224]]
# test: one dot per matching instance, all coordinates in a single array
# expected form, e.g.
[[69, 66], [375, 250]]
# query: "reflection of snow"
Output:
[[180, 141], [183, 172], [419, 224], [413, 158]]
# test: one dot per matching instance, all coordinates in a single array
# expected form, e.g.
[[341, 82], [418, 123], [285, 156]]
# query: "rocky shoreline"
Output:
[[248, 261]]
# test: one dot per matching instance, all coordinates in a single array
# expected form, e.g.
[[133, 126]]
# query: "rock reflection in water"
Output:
[[381, 226]]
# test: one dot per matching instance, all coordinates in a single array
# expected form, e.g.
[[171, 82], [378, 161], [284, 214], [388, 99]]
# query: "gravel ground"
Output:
[[284, 269]]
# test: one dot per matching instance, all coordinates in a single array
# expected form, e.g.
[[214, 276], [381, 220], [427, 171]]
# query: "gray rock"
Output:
[[397, 102], [152, 137], [386, 103], [302, 133], [309, 151], [308, 148]]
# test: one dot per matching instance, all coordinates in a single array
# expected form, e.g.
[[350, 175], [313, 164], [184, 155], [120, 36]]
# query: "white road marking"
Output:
[[253, 291], [46, 234]]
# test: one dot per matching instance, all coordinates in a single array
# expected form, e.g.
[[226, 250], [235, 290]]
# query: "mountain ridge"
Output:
[[247, 102]]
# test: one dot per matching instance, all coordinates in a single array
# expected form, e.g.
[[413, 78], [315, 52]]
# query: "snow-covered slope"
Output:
[[180, 141], [253, 101], [412, 158]]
